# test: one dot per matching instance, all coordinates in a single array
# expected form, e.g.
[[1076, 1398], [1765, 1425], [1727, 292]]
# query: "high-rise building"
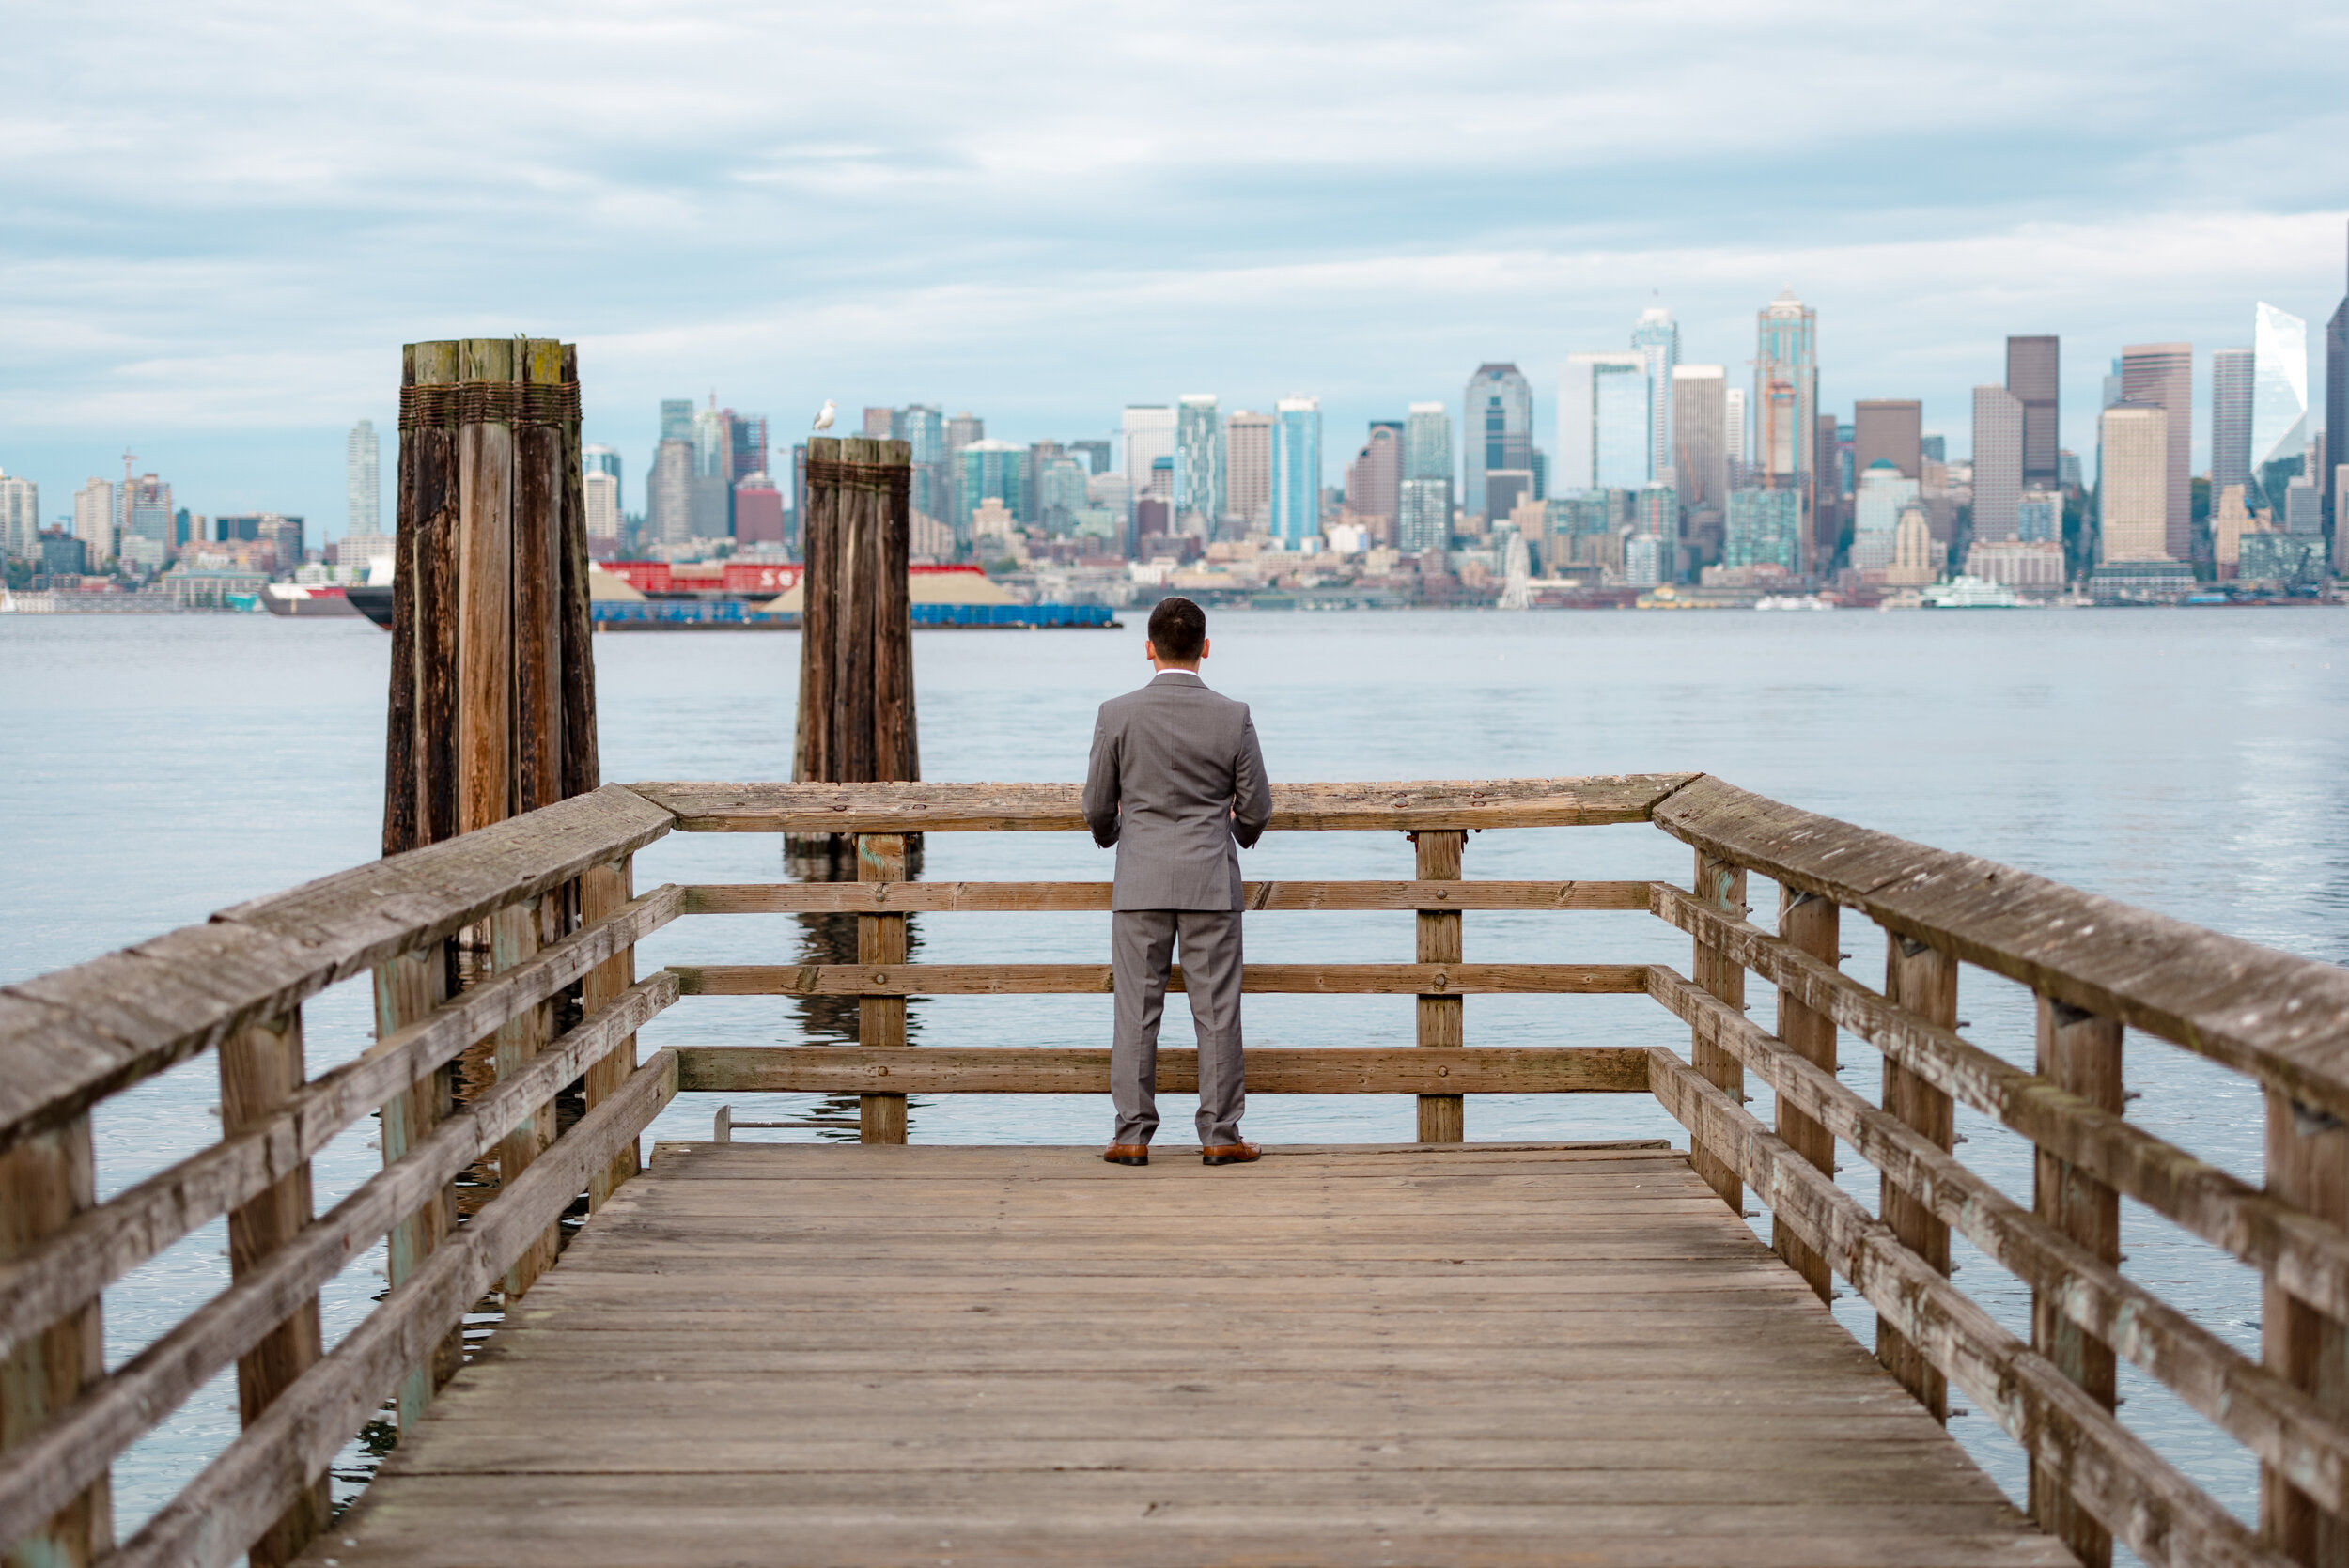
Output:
[[1605, 424], [602, 497], [1888, 429], [1737, 434], [748, 432], [1150, 430], [20, 518], [2137, 483], [363, 481], [94, 518], [2279, 402], [1374, 480], [2231, 378], [1826, 488], [595, 458], [2034, 374], [1198, 463], [962, 430], [676, 419], [2336, 423], [1423, 496], [1496, 428], [1656, 337], [2161, 375], [1764, 528], [1786, 399], [1882, 493], [2002, 430], [922, 429], [669, 489], [1700, 447], [1296, 471], [1094, 453], [882, 425], [1248, 469], [989, 471], [147, 534]]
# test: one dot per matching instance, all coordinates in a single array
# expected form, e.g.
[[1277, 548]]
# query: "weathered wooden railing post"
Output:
[[1443, 1118], [601, 891], [880, 1019], [45, 1181], [517, 933], [2307, 1166], [260, 1068], [1721, 886], [1923, 980], [405, 990], [2081, 1053], [1810, 923]]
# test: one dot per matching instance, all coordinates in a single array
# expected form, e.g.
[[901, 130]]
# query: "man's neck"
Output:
[[1166, 668]]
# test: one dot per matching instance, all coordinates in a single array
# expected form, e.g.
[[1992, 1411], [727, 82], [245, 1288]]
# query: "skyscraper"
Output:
[[1296, 471], [1736, 435], [1198, 464], [362, 482], [1374, 479], [925, 434], [1149, 429], [2336, 423], [2001, 431], [710, 492], [990, 471], [600, 491], [1248, 469], [94, 518], [1496, 428], [20, 518], [676, 419], [2135, 499], [669, 486], [2231, 375], [1423, 497], [2161, 375], [1700, 435], [1656, 337], [1605, 424], [2034, 374], [1785, 398], [2279, 402], [962, 430]]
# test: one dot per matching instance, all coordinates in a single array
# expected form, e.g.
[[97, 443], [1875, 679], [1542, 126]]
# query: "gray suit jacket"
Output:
[[1174, 778]]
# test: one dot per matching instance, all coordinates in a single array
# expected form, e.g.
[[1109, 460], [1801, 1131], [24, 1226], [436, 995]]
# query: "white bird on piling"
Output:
[[823, 415]]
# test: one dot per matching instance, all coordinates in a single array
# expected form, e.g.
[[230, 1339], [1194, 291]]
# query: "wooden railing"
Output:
[[544, 907]]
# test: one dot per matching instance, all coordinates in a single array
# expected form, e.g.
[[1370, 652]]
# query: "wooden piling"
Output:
[[1810, 923], [1923, 980], [1722, 886], [1443, 1118]]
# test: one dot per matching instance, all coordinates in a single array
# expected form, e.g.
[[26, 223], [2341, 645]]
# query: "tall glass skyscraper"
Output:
[[1296, 471], [1606, 424], [2280, 401], [1496, 428], [1423, 497], [1785, 398], [2230, 376], [363, 480], [1655, 338], [1149, 433], [1198, 463]]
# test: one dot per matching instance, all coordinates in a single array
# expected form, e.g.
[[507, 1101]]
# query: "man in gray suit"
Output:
[[1176, 781]]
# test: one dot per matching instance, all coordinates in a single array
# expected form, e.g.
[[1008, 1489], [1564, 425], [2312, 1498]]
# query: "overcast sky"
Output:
[[218, 222]]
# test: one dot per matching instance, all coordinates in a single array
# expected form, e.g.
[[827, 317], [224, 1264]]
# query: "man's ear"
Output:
[[1149, 650], [1204, 643]]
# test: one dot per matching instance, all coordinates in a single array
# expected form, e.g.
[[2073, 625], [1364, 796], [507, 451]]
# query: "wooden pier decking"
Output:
[[1339, 1356]]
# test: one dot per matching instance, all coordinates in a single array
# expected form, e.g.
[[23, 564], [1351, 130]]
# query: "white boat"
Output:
[[1792, 601]]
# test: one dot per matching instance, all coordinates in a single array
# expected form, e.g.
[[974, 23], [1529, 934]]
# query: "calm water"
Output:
[[2192, 762]]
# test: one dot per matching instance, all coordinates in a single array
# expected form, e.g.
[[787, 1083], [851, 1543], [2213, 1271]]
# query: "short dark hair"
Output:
[[1179, 629]]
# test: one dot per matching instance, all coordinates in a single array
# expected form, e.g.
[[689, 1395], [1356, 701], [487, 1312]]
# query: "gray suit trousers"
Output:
[[1141, 943]]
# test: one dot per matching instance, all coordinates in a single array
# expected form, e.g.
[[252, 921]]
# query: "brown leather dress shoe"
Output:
[[1127, 1154], [1230, 1153]]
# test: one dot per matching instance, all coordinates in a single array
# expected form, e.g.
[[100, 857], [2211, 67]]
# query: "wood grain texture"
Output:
[[1922, 982], [516, 934], [881, 938], [749, 898], [406, 991], [603, 892], [2282, 1019], [2307, 1165], [1371, 1398], [1721, 886], [1441, 1017], [45, 1181], [484, 609], [812, 808], [1049, 979], [1066, 1070], [1810, 923]]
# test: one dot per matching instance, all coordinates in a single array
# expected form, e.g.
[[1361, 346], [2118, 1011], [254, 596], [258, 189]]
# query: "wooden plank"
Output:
[[881, 938], [604, 891], [2307, 1166], [260, 1068], [1719, 886], [400, 730], [1443, 1118], [1046, 979], [582, 764], [515, 936], [78, 1444], [2303, 1254], [749, 898], [2285, 1020], [937, 808], [45, 1181], [486, 765], [2139, 1496], [1810, 923], [1070, 1070], [537, 745], [2277, 1421], [1922, 981], [233, 1498], [406, 991], [71, 1266]]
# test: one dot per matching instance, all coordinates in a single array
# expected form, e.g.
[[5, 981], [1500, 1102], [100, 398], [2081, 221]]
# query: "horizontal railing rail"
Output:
[[553, 1001]]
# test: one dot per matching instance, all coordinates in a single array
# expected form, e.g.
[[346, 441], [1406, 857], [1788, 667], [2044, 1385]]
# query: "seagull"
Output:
[[823, 416]]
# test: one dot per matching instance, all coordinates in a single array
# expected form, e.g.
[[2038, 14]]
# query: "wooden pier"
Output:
[[1438, 1353]]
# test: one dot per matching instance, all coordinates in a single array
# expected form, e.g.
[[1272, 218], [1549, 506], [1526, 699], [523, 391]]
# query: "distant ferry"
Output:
[[289, 598]]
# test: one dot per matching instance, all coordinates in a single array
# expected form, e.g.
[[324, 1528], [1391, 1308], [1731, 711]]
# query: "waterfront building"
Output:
[[2161, 376], [1606, 424], [1642, 561], [1198, 464], [2287, 560], [1248, 469], [1655, 338], [61, 554], [1888, 429], [146, 538], [1296, 471], [2039, 516], [1883, 492], [2303, 511], [1374, 480], [1700, 463], [758, 514], [669, 490], [1496, 429], [2230, 379], [2230, 520], [2027, 566], [602, 496], [2034, 374], [1762, 527], [2279, 402], [1149, 433], [94, 518], [20, 518], [1736, 435], [1918, 557], [2134, 521], [1999, 439]]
